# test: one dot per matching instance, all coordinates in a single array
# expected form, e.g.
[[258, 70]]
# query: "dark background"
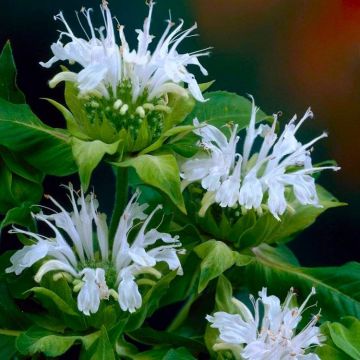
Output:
[[288, 54]]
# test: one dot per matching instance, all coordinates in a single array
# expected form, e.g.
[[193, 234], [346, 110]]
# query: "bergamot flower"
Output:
[[122, 86], [97, 271], [269, 332], [253, 178]]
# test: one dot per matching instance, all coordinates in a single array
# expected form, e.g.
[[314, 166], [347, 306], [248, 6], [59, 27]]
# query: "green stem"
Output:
[[121, 196], [183, 313], [9, 332]]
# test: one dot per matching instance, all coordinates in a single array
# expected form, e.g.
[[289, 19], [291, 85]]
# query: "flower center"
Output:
[[140, 119]]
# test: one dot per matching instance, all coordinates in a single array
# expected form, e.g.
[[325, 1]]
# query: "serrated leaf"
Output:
[[160, 171], [8, 88]]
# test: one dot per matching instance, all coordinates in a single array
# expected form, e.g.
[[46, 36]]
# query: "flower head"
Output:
[[124, 89], [97, 271], [252, 178], [106, 65], [272, 335]]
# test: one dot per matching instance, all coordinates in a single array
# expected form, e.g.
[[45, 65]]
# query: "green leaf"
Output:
[[38, 340], [178, 130], [20, 215], [178, 354], [337, 288], [43, 147], [19, 167], [16, 190], [206, 86], [330, 352], [7, 347], [88, 155], [151, 355], [185, 146], [79, 125], [151, 302], [11, 316], [346, 336], [8, 88], [224, 294], [71, 123], [216, 257], [160, 171], [104, 349], [222, 108]]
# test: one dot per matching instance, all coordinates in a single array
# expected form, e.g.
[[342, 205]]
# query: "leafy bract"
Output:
[[160, 171], [249, 229], [266, 229], [88, 155], [216, 257]]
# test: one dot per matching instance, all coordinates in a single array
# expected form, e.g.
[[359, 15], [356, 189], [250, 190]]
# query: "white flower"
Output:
[[97, 271], [253, 178], [269, 336], [215, 164], [106, 65], [93, 290]]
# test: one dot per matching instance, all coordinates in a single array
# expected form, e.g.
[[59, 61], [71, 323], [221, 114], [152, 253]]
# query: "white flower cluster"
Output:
[[106, 65], [269, 336], [75, 251], [251, 178]]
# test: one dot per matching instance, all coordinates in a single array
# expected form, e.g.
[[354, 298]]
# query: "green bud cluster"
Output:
[[122, 114]]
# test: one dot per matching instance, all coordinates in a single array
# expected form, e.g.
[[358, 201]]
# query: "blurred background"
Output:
[[288, 54]]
